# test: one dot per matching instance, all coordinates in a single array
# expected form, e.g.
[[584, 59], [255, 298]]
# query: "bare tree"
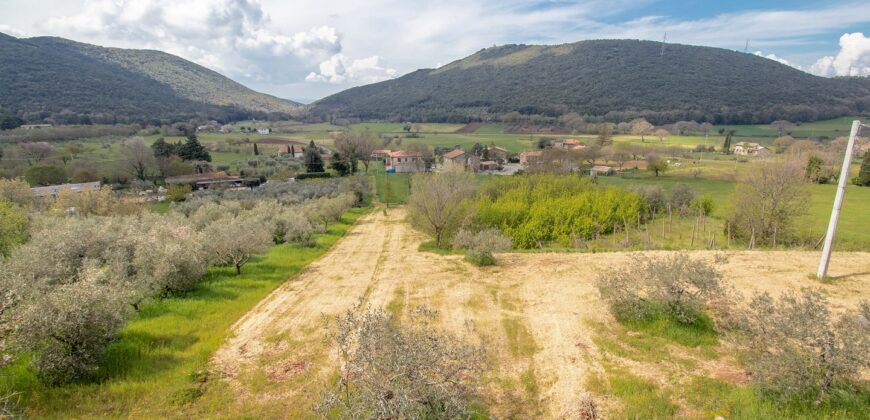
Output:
[[768, 201], [662, 134], [438, 203], [782, 127], [642, 128], [37, 151], [138, 158]]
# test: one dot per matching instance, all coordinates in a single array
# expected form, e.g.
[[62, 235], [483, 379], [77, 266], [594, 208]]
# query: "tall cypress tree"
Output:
[[312, 159], [726, 146], [193, 150], [256, 151]]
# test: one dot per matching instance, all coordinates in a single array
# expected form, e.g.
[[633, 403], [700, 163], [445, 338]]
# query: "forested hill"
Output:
[[72, 82], [621, 77]]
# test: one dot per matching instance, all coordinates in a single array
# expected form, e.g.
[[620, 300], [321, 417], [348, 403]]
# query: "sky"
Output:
[[309, 49]]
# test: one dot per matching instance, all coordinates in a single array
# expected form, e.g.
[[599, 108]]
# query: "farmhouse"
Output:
[[459, 161], [381, 154], [205, 180], [601, 170], [569, 144], [405, 161], [488, 165], [264, 131], [51, 191], [750, 149], [497, 153], [529, 156]]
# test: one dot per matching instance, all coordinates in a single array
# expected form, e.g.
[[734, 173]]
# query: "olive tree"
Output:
[[680, 286], [439, 203], [391, 370], [233, 240], [799, 348], [68, 329]]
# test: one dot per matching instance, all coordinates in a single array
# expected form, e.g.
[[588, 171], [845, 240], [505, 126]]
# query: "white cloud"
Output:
[[340, 69], [236, 37], [9, 30], [773, 57], [852, 60]]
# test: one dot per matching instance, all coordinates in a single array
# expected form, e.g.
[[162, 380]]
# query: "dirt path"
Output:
[[531, 311]]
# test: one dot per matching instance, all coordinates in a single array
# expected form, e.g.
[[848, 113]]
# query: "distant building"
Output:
[[381, 154], [488, 165], [750, 149], [459, 161], [205, 180], [529, 156], [226, 128], [405, 161], [497, 153], [264, 131], [32, 126], [602, 170], [51, 191]]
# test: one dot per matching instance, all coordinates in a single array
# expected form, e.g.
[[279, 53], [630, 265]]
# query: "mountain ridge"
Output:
[[60, 79], [616, 79]]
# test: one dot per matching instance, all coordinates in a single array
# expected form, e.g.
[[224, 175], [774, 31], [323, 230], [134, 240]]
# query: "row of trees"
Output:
[[69, 290]]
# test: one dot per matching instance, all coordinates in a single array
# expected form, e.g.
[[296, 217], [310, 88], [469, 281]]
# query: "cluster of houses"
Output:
[[456, 160]]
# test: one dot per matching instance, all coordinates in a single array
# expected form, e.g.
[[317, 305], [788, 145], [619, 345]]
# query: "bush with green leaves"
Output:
[[681, 287], [13, 227], [389, 370], [798, 348], [479, 246]]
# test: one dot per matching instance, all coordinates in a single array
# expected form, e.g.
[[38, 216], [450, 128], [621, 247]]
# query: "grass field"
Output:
[[829, 128], [160, 361]]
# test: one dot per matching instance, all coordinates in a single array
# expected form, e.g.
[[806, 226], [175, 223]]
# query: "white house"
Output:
[[750, 149], [264, 130]]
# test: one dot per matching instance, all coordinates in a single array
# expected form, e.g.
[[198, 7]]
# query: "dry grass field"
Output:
[[550, 339]]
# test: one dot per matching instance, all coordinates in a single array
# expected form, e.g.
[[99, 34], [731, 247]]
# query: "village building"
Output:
[[381, 154], [205, 180], [459, 161], [750, 149], [488, 165], [264, 131], [51, 191], [602, 170], [402, 161], [497, 153], [529, 156]]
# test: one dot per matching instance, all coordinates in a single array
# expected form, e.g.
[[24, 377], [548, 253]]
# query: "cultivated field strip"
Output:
[[533, 312]]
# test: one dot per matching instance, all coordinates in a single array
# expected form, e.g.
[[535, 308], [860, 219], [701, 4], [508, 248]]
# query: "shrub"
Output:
[[768, 203], [388, 370], [68, 329], [799, 349], [312, 175], [16, 191], [13, 227], [177, 193], [681, 197], [680, 286], [42, 175], [480, 246]]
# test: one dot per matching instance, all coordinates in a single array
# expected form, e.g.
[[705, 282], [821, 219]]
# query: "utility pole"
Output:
[[664, 41], [838, 202]]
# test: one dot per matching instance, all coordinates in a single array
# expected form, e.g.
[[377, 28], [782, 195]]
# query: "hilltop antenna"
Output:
[[664, 41], [746, 47]]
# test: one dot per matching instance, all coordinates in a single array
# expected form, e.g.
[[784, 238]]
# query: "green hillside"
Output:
[[69, 82], [620, 79]]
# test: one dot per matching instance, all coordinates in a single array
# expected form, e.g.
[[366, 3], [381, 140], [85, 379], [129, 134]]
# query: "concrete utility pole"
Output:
[[838, 202]]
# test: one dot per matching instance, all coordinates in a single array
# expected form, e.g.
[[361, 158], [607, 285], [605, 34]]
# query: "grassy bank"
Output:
[[160, 362]]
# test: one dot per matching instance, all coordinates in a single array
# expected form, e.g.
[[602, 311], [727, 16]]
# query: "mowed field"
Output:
[[549, 338]]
